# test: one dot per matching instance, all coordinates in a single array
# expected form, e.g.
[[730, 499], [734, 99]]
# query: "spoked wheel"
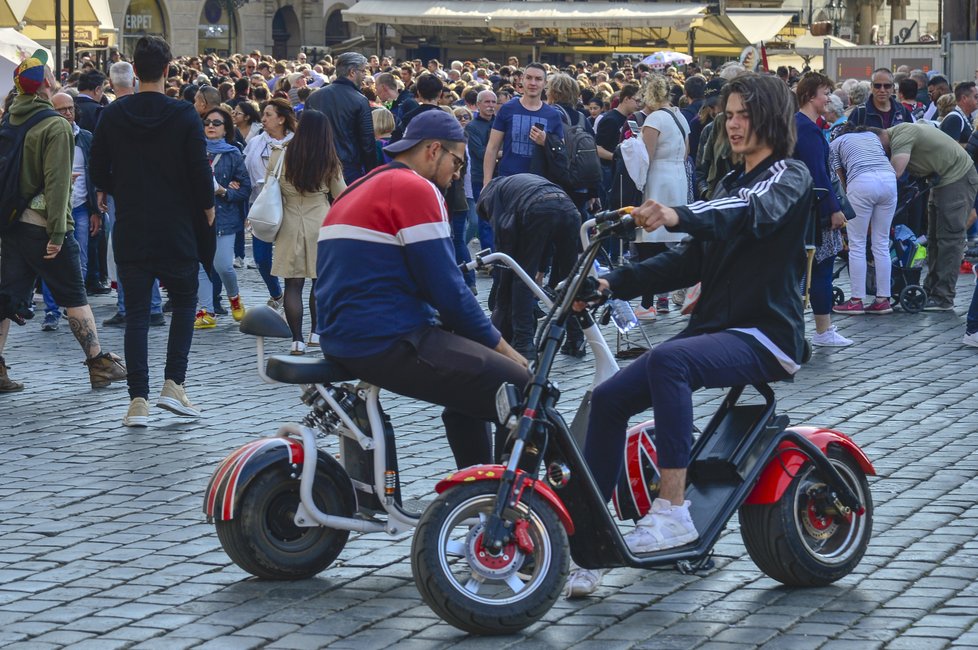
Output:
[[913, 298], [802, 540], [838, 296], [478, 591], [263, 538]]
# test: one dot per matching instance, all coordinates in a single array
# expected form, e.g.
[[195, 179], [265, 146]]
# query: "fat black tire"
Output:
[[441, 589], [776, 538], [264, 540], [913, 298]]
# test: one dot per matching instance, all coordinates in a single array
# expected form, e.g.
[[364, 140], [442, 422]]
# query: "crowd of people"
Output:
[[402, 164]]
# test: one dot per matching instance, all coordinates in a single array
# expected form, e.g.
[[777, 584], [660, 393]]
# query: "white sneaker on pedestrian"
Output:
[[830, 338], [238, 263], [666, 526], [971, 339], [582, 582], [313, 338], [250, 263], [138, 413], [174, 398], [276, 303]]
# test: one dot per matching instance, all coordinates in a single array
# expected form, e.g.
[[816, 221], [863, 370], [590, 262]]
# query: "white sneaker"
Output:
[[138, 413], [830, 338], [313, 338], [276, 303], [646, 314], [298, 349], [238, 263], [174, 399], [250, 263], [666, 526], [582, 582], [971, 339]]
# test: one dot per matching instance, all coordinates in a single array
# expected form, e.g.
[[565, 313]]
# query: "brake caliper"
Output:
[[522, 535]]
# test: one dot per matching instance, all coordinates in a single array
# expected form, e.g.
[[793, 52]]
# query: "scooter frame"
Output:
[[738, 444], [231, 479]]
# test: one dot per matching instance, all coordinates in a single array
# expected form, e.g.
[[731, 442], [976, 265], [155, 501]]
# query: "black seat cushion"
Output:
[[290, 369], [265, 321]]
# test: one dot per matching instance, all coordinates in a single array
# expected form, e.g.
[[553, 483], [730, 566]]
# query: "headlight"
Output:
[[507, 401]]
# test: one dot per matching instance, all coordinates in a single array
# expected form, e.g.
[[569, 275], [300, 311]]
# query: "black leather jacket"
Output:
[[353, 127], [747, 250]]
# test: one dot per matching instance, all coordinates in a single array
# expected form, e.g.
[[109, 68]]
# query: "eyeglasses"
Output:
[[458, 162], [881, 86], [213, 122], [66, 109], [463, 118]]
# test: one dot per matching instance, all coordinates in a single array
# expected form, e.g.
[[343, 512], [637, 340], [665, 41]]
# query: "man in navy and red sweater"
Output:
[[393, 308]]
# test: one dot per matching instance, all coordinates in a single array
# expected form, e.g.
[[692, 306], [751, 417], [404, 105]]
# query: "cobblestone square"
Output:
[[103, 543]]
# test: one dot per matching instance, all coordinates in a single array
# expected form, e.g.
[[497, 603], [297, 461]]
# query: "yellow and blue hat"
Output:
[[29, 75]]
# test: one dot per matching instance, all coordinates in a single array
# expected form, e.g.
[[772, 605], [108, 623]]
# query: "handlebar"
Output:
[[612, 215]]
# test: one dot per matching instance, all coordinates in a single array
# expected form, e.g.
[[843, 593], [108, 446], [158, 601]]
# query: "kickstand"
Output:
[[689, 567]]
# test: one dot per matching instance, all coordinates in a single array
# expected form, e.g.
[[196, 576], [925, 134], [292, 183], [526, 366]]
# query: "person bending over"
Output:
[[747, 250]]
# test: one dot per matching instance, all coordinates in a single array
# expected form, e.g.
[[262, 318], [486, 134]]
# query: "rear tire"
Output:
[[795, 542], [474, 591], [263, 538], [913, 298]]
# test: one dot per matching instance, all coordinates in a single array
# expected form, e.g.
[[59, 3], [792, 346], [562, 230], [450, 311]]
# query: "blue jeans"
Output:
[[972, 325], [664, 378], [462, 255], [482, 229], [224, 266], [81, 218], [820, 294], [262, 251]]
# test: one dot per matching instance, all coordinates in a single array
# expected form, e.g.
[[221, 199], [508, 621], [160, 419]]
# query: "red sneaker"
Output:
[[851, 306], [879, 307]]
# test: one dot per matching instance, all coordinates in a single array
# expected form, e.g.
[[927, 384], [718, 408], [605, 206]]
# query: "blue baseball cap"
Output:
[[434, 124]]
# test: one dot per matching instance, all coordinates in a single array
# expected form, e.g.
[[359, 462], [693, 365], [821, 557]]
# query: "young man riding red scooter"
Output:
[[747, 327]]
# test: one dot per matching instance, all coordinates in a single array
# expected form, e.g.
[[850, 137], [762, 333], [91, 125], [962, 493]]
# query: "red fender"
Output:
[[494, 473], [240, 467], [787, 461]]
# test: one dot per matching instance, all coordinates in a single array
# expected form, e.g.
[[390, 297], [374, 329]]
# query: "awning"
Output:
[[85, 31], [523, 16], [738, 29], [14, 48], [808, 45]]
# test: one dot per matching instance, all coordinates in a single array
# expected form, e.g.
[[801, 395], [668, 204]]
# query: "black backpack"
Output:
[[12, 203], [582, 154]]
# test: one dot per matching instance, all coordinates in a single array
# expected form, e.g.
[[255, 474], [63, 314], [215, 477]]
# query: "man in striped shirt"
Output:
[[392, 306]]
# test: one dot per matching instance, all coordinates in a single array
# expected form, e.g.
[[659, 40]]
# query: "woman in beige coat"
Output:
[[311, 174]]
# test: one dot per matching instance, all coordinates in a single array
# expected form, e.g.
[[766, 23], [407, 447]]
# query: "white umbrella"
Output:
[[666, 58], [14, 48]]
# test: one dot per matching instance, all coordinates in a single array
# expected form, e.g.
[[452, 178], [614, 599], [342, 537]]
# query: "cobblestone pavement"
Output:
[[103, 543]]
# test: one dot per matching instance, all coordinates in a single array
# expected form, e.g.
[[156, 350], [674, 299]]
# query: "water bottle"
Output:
[[623, 315]]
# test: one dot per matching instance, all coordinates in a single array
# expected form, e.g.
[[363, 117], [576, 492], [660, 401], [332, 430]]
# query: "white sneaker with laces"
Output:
[[582, 582], [830, 338], [666, 526], [971, 339]]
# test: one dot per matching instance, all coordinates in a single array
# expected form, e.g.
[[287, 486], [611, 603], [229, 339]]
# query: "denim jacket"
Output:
[[232, 207]]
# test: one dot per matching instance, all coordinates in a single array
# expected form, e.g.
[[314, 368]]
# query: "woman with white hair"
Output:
[[835, 115]]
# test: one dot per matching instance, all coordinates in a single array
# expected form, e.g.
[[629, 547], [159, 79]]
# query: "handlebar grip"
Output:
[[611, 215]]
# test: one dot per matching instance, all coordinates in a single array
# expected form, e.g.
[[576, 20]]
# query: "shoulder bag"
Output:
[[266, 212]]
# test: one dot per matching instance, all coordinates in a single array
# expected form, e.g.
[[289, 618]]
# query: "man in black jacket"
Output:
[[149, 152], [529, 214], [349, 115], [747, 327], [88, 104]]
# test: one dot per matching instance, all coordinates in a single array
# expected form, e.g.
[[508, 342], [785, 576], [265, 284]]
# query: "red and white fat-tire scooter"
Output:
[[490, 554], [283, 507]]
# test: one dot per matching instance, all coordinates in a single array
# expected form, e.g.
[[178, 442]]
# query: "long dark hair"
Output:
[[310, 159], [771, 107]]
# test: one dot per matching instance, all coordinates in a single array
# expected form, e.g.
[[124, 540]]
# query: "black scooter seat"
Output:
[[264, 321], [289, 369]]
